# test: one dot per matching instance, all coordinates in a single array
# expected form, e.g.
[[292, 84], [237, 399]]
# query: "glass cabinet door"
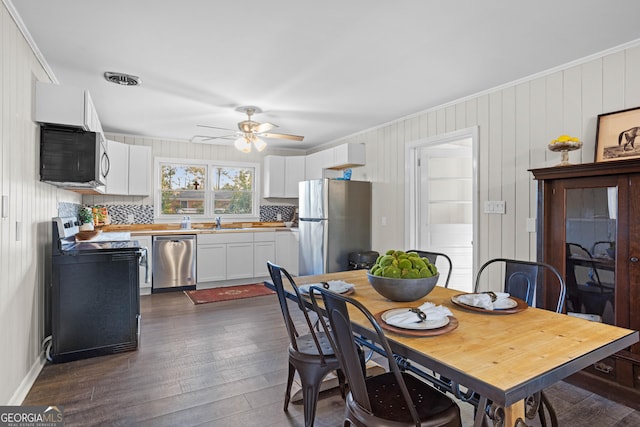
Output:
[[590, 228]]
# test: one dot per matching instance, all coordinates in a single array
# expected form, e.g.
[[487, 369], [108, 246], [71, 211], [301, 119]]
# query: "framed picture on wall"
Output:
[[618, 135]]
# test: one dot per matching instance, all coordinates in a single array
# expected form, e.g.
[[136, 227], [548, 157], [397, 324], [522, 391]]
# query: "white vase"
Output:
[[87, 226]]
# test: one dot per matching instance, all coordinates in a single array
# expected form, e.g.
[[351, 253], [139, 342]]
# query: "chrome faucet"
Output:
[[218, 224]]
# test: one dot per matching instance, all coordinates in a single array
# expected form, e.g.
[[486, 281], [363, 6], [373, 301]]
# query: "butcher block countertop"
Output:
[[197, 228]]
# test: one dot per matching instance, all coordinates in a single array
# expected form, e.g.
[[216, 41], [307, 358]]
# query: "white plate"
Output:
[[500, 304], [337, 286], [425, 324]]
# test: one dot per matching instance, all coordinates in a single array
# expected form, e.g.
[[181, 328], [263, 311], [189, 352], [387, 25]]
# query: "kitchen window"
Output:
[[206, 190]]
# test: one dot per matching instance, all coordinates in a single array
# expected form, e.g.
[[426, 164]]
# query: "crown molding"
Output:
[[32, 44]]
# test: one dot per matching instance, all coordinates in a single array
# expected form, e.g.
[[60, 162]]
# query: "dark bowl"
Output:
[[403, 290]]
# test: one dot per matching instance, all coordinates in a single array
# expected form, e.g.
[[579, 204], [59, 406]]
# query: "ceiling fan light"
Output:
[[260, 144], [242, 144]]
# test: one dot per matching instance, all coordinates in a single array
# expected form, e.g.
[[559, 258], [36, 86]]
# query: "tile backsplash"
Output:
[[143, 214], [269, 213], [140, 214]]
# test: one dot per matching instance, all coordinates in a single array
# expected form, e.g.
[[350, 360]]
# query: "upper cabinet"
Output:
[[66, 105], [347, 156], [340, 157], [130, 169], [282, 174], [139, 170], [118, 178]]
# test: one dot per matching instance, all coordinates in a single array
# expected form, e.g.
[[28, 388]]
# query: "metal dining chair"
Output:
[[310, 354], [393, 398], [527, 280], [433, 257]]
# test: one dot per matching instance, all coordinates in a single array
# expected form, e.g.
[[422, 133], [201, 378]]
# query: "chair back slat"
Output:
[[339, 331], [534, 282], [433, 257], [276, 272]]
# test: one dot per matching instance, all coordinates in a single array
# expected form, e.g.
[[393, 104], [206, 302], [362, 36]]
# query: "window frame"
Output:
[[209, 165]]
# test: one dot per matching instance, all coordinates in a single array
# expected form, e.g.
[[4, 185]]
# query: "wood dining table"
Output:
[[504, 358]]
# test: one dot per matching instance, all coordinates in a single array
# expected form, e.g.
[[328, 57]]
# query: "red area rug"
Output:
[[228, 293]]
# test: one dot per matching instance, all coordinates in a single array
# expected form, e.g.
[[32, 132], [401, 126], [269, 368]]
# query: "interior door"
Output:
[[445, 189]]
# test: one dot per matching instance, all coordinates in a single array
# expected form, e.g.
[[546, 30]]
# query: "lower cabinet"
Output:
[[229, 257], [211, 262], [287, 249], [264, 249], [240, 260], [145, 272]]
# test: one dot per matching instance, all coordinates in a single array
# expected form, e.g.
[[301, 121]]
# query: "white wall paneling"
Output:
[[23, 259], [515, 122]]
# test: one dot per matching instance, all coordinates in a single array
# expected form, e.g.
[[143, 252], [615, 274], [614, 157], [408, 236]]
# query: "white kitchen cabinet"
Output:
[[118, 176], [282, 174], [263, 252], [316, 162], [145, 273], [264, 249], [129, 169], [211, 262], [240, 260], [225, 256], [66, 105], [287, 250], [347, 156], [273, 176], [341, 157], [139, 170], [294, 167]]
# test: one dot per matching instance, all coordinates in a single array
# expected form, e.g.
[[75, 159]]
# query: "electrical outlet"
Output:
[[531, 225], [279, 217], [383, 221], [130, 219]]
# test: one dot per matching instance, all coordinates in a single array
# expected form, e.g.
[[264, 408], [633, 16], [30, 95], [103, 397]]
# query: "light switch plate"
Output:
[[495, 207]]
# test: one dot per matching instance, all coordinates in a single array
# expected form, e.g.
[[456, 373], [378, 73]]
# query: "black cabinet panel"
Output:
[[95, 304]]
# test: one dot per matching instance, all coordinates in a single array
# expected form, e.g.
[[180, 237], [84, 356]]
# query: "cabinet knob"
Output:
[[633, 259]]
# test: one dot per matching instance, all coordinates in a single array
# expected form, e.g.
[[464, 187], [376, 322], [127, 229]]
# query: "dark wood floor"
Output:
[[224, 364]]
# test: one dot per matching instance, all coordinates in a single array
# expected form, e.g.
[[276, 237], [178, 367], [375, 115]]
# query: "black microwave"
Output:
[[73, 158]]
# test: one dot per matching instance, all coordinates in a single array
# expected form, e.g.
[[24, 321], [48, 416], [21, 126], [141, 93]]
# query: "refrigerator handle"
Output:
[[311, 219]]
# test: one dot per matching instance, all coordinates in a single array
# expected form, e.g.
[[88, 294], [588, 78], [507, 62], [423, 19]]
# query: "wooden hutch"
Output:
[[589, 228]]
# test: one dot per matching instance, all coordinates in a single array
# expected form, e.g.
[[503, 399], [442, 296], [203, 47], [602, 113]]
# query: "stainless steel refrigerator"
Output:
[[334, 220]]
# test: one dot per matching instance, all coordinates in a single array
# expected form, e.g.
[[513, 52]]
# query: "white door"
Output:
[[443, 211]]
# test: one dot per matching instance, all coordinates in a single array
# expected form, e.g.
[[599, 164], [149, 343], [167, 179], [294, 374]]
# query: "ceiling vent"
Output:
[[122, 79]]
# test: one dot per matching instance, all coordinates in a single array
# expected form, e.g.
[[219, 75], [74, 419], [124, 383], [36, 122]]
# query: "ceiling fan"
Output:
[[250, 132]]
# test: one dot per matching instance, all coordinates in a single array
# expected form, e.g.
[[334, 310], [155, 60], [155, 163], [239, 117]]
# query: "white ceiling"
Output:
[[323, 69]]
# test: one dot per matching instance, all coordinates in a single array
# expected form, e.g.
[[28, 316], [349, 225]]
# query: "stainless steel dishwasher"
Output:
[[174, 263]]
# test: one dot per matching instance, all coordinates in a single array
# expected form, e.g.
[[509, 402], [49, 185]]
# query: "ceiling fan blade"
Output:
[[204, 138], [264, 127], [282, 136], [215, 127]]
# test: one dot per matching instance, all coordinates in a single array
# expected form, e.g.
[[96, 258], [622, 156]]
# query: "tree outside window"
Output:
[[182, 189], [206, 190], [232, 190]]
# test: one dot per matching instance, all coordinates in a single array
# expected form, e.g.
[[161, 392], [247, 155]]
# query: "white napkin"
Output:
[[338, 286], [483, 300], [432, 312]]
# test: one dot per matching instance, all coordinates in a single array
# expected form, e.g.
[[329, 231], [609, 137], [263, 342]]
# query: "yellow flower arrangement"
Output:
[[564, 139]]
